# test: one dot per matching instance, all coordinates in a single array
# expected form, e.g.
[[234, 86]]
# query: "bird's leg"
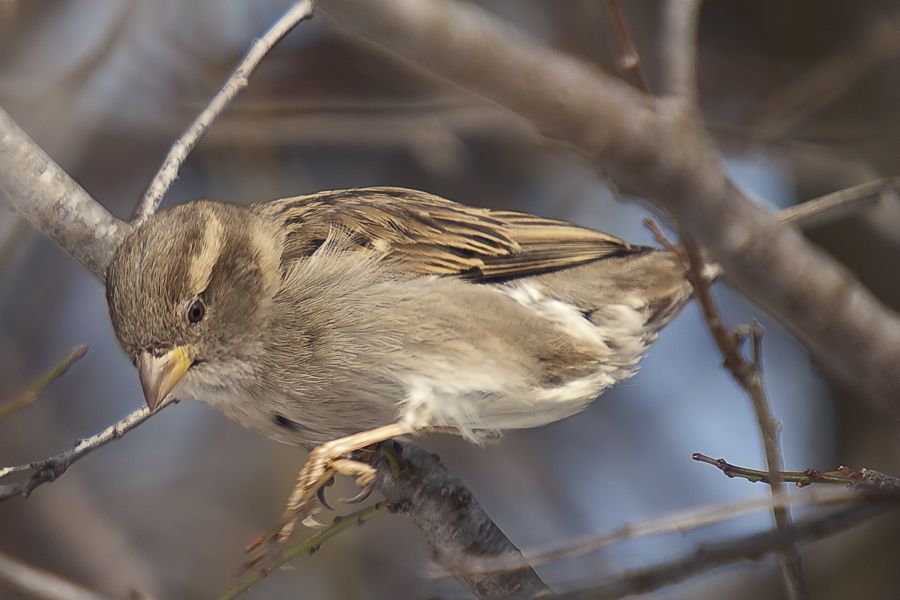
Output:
[[324, 461]]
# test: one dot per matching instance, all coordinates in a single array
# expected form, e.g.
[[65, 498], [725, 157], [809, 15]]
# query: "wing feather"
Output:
[[428, 235]]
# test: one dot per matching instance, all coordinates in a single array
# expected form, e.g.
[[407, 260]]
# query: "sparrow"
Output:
[[344, 318]]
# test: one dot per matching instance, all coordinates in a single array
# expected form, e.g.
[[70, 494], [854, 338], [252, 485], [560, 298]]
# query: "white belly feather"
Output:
[[473, 397]]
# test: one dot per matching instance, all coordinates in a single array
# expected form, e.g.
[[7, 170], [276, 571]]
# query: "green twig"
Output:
[[308, 547], [35, 389]]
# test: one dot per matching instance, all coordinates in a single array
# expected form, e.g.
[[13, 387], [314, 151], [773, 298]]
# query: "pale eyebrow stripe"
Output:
[[210, 248]]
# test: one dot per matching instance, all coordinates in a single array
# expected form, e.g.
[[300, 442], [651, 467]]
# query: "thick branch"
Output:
[[651, 150], [39, 190], [455, 526]]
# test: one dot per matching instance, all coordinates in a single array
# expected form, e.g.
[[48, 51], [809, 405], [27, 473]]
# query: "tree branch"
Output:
[[679, 55], [629, 59], [679, 522], [239, 79], [648, 149], [748, 374], [707, 557], [52, 468], [865, 479], [39, 190], [458, 530]]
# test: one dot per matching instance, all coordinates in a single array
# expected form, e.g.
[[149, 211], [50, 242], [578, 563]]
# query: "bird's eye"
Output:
[[195, 312]]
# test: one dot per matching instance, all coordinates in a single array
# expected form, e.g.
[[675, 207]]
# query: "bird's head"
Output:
[[189, 291]]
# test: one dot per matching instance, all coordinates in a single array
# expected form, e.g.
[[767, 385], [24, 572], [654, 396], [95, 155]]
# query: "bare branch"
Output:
[[675, 522], [632, 138], [707, 557], [748, 374], [841, 203], [629, 59], [239, 79], [679, 55], [39, 584], [52, 468], [453, 523], [857, 478], [35, 389], [40, 191]]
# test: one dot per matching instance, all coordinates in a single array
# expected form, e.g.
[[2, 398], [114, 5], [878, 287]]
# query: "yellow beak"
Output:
[[160, 374]]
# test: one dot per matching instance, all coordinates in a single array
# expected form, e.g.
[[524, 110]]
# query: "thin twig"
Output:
[[39, 584], [707, 557], [839, 204], [629, 59], [675, 522], [679, 50], [237, 81], [35, 389], [858, 478], [748, 374], [49, 469], [309, 546]]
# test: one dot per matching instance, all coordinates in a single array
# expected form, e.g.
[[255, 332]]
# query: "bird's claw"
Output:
[[364, 493], [320, 494], [309, 491]]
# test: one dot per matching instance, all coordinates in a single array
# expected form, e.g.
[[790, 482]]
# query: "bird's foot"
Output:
[[324, 462]]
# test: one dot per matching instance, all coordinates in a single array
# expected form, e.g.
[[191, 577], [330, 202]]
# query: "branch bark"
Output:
[[648, 148], [460, 533], [39, 190]]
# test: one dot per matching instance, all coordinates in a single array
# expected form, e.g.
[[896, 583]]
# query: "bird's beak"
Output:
[[160, 374]]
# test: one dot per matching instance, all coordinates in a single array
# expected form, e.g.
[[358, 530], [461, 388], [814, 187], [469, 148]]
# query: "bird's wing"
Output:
[[427, 235]]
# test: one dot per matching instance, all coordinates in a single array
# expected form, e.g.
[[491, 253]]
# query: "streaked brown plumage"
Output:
[[404, 239], [424, 234], [369, 313], [383, 309]]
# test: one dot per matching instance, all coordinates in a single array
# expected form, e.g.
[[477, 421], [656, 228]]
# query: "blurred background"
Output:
[[801, 98]]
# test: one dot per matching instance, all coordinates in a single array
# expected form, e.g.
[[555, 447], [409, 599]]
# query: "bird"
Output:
[[343, 318]]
